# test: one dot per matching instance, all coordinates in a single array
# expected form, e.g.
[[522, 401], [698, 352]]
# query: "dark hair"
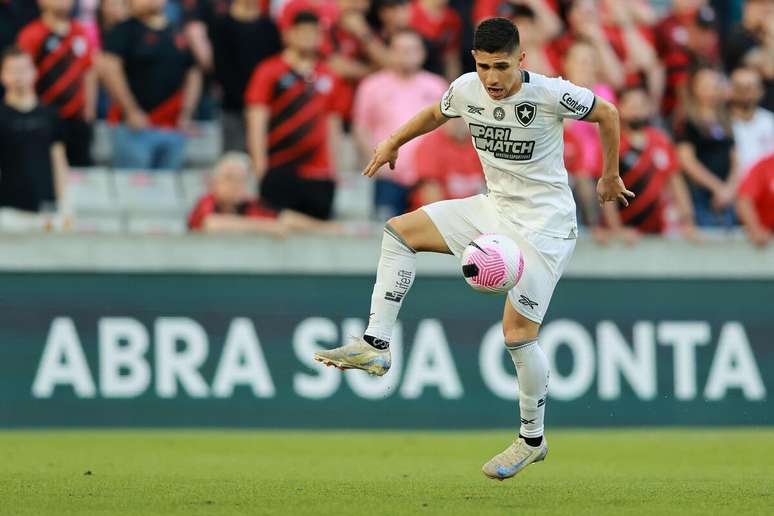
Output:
[[496, 35], [11, 52], [303, 17]]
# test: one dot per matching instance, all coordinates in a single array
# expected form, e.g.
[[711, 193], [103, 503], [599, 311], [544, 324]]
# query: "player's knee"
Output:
[[401, 225], [521, 332]]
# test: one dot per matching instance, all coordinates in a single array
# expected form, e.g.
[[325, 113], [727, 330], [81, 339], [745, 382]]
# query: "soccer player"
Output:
[[515, 118]]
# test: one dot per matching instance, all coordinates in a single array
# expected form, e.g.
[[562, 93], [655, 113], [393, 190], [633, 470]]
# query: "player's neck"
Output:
[[58, 24], [516, 86], [21, 101]]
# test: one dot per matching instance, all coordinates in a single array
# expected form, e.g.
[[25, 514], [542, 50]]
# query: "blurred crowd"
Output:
[[289, 81]]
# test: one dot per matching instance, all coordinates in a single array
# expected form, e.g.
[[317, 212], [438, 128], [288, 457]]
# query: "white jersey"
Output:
[[520, 143]]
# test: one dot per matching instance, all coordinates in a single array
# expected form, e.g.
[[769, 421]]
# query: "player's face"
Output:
[[18, 74], [499, 72]]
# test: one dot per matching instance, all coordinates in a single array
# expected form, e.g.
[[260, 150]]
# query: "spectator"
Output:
[[355, 50], [753, 126], [33, 163], [441, 28], [66, 79], [109, 14], [748, 34], [149, 72], [650, 168], [580, 67], [756, 202], [229, 208], [762, 59], [388, 17], [538, 25], [706, 149], [242, 38], [447, 166], [383, 102], [14, 15], [628, 27], [583, 22], [293, 122], [198, 20]]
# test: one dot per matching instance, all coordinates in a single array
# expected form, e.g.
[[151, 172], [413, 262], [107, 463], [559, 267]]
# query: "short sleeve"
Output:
[[118, 40], [450, 101], [259, 88], [572, 101]]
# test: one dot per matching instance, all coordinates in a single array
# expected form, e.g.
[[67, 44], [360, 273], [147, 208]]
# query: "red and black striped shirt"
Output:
[[62, 61], [298, 121], [646, 171]]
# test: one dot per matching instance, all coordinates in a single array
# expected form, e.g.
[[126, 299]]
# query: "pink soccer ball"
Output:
[[492, 264]]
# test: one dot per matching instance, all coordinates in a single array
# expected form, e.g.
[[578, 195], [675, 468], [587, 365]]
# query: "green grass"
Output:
[[231, 472]]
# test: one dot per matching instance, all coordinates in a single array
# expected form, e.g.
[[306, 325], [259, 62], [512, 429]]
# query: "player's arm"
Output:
[[387, 151], [610, 186]]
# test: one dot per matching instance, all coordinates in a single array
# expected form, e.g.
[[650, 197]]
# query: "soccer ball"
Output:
[[492, 264]]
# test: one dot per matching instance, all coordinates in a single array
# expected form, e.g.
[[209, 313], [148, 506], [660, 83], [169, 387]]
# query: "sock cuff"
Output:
[[388, 229], [520, 344]]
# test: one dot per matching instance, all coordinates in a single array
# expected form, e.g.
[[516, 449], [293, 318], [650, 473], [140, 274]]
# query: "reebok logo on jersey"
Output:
[[497, 140], [475, 110], [447, 99], [573, 105], [525, 113]]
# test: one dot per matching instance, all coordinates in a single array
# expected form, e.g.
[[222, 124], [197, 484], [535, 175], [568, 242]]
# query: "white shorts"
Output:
[[462, 220]]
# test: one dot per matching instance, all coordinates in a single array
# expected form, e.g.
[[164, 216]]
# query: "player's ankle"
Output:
[[380, 344], [532, 441]]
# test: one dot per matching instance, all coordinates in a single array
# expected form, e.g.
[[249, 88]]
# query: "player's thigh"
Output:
[[419, 232], [459, 221]]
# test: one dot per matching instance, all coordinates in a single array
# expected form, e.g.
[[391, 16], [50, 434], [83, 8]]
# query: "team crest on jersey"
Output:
[[499, 113], [525, 113]]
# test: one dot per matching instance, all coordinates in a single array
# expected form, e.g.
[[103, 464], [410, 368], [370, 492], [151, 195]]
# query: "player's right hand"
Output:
[[612, 188], [384, 153]]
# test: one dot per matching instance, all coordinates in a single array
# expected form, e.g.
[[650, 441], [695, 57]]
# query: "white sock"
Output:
[[532, 373], [394, 277]]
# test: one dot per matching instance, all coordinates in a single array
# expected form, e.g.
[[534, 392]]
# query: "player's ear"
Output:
[[522, 56]]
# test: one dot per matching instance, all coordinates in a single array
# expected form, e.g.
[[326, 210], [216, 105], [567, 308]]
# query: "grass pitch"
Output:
[[232, 472]]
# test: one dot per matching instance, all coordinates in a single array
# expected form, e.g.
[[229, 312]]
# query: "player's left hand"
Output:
[[612, 188]]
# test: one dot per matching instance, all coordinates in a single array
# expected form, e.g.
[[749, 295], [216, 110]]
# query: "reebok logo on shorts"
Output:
[[524, 300]]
